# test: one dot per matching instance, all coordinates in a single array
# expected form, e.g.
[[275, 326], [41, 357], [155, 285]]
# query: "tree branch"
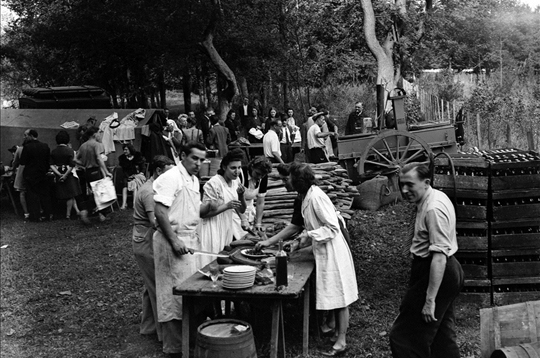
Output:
[[230, 89]]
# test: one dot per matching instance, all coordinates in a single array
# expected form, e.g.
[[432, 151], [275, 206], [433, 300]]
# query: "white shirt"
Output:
[[435, 225], [286, 134], [271, 144], [168, 185], [312, 140]]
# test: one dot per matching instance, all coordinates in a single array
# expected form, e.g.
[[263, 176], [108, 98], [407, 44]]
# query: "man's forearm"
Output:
[[278, 157], [162, 219], [436, 274]]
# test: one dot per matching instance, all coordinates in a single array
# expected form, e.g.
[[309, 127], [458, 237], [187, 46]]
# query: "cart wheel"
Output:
[[390, 151]]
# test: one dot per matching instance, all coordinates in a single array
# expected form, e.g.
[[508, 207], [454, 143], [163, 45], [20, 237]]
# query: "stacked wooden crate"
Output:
[[515, 225], [497, 197], [468, 188]]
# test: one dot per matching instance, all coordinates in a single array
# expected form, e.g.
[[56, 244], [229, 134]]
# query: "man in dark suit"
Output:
[[356, 119], [204, 122], [245, 112], [35, 158]]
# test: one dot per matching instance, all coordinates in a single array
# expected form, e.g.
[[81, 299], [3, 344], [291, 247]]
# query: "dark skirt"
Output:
[[68, 189]]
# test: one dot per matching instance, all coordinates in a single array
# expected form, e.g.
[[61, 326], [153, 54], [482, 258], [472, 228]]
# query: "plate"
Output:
[[239, 269], [262, 255]]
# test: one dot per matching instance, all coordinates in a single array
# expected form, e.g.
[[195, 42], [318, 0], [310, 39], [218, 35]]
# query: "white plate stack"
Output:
[[238, 277]]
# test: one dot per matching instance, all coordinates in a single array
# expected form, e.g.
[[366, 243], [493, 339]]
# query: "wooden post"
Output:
[[530, 140], [478, 135]]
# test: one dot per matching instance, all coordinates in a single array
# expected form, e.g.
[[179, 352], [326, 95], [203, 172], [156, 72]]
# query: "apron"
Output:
[[172, 269], [217, 232]]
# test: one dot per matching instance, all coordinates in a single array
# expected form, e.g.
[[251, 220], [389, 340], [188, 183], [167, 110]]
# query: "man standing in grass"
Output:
[[178, 210], [425, 326], [35, 158], [143, 231]]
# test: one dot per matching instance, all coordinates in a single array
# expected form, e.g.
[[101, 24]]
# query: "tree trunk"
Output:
[[386, 74], [200, 81], [186, 89], [162, 91], [508, 135], [285, 89], [227, 89], [242, 82], [478, 131], [114, 98], [153, 98]]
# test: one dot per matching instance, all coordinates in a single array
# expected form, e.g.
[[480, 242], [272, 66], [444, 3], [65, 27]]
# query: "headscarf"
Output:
[[172, 123]]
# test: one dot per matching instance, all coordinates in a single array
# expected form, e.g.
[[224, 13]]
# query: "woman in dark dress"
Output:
[[67, 186], [132, 163], [232, 125]]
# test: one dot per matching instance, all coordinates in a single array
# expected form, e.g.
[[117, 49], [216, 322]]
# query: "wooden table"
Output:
[[300, 266]]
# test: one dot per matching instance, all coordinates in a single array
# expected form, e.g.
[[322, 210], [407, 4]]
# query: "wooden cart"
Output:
[[386, 151]]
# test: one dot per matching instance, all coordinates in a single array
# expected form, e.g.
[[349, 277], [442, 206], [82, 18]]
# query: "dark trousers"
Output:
[[410, 336], [38, 197], [317, 155], [286, 152]]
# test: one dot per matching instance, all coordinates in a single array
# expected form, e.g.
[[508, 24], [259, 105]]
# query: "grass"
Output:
[[73, 291]]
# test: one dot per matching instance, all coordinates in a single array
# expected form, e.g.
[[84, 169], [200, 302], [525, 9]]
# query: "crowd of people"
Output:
[[278, 132], [173, 218]]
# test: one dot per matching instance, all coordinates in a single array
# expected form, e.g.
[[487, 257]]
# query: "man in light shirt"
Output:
[[288, 134], [425, 326], [316, 140], [271, 145]]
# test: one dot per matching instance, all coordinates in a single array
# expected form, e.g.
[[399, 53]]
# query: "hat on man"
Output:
[[13, 149]]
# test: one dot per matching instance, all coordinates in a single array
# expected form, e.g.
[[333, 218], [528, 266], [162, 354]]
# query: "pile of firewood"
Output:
[[333, 180]]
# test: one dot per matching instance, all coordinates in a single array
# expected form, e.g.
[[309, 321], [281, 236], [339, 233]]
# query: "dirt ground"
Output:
[[74, 291]]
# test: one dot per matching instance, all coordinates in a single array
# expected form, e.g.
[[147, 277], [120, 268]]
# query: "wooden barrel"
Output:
[[509, 326], [225, 338], [526, 350]]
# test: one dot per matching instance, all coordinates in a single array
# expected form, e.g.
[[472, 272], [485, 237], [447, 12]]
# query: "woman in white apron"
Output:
[[178, 207], [225, 190], [336, 286], [255, 180]]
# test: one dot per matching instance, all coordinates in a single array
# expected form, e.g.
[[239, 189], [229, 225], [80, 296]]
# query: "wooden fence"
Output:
[[435, 109]]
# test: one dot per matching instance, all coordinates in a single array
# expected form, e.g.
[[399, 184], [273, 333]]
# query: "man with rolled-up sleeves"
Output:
[[425, 326]]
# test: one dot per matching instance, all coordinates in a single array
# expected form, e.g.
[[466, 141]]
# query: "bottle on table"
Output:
[[281, 266]]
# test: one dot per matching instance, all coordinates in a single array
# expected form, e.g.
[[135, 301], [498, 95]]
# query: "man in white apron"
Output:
[[178, 209]]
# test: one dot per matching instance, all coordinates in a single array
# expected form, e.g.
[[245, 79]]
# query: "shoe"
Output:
[[84, 217], [103, 218], [26, 217], [329, 333], [332, 352]]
